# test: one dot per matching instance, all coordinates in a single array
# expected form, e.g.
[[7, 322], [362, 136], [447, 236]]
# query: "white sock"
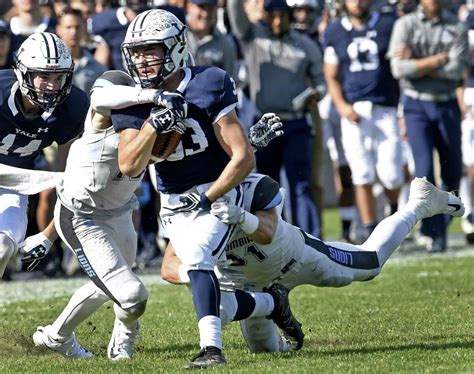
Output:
[[264, 304], [348, 213], [83, 303], [466, 192], [390, 233], [210, 333]]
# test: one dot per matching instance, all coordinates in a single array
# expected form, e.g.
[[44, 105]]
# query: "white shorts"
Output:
[[13, 215], [467, 141], [373, 147], [199, 238], [106, 249]]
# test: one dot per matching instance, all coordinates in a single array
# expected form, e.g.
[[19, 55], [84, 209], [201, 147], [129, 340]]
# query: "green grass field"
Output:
[[416, 316]]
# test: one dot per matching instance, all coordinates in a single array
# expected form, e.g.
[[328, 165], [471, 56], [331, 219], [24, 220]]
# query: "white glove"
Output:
[[265, 130], [227, 212], [229, 279], [233, 215], [36, 248]]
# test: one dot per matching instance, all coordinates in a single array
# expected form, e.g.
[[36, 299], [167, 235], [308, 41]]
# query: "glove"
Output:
[[265, 130], [228, 213], [173, 101], [192, 202], [163, 121], [229, 279], [36, 248]]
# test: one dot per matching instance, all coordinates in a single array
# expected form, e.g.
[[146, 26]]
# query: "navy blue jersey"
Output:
[[470, 24], [199, 158], [108, 26], [22, 138], [365, 71]]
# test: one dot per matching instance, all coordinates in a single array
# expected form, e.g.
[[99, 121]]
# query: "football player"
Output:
[[365, 94], [212, 159], [273, 251], [39, 106], [93, 216]]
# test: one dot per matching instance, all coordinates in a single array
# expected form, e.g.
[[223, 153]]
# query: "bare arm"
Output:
[[135, 148], [345, 109], [50, 231], [170, 266], [267, 224], [233, 140]]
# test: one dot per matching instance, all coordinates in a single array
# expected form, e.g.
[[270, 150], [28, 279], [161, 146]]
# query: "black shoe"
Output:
[[208, 356], [283, 317]]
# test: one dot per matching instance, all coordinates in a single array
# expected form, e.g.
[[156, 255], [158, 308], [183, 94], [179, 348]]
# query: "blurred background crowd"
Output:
[[281, 55]]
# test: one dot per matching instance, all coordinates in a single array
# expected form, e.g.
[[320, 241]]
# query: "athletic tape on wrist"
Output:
[[250, 223]]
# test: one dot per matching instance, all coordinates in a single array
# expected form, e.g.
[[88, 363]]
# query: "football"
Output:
[[165, 144]]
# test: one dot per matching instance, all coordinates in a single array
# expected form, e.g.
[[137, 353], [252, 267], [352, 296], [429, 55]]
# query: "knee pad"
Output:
[[132, 293], [228, 307], [8, 247]]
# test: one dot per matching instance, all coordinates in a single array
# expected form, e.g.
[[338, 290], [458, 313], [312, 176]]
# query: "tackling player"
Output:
[[212, 159], [272, 251], [39, 106]]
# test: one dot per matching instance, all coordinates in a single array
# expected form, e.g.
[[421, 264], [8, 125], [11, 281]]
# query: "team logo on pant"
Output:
[[84, 262]]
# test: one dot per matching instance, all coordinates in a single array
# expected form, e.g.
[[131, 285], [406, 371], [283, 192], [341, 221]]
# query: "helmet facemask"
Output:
[[151, 29], [45, 98]]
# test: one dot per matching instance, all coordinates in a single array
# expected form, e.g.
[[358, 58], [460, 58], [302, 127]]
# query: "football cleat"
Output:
[[429, 200], [68, 348], [208, 356], [122, 341], [283, 317]]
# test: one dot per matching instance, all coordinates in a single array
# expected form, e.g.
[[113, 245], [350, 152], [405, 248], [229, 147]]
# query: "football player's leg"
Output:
[[262, 335], [389, 163], [199, 240], [297, 164], [466, 188], [357, 140], [13, 222]]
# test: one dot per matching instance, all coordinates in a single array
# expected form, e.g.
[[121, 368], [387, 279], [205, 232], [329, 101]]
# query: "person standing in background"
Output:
[[281, 62], [429, 53]]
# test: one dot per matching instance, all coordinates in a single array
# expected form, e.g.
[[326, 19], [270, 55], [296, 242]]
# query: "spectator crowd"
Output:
[[384, 87]]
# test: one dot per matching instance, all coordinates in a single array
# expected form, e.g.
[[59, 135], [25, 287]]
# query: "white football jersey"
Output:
[[92, 179], [263, 263]]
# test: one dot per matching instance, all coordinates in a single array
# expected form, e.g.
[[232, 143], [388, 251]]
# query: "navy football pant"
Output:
[[435, 125], [292, 151]]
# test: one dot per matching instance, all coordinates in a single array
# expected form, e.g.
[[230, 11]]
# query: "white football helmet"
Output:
[[156, 27], [44, 52]]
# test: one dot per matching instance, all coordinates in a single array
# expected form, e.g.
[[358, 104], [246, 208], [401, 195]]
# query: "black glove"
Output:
[[191, 202], [36, 248], [173, 101], [163, 120]]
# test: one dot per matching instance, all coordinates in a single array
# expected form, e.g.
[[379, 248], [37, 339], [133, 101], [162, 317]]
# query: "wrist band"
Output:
[[205, 202], [183, 274], [250, 223]]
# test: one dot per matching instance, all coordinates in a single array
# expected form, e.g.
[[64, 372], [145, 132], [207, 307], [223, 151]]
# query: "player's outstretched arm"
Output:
[[260, 227], [36, 247]]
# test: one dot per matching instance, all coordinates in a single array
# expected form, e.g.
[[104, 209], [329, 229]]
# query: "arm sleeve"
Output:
[[103, 99], [400, 68]]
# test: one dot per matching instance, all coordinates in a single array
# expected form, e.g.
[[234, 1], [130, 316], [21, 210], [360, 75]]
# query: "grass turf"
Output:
[[416, 316]]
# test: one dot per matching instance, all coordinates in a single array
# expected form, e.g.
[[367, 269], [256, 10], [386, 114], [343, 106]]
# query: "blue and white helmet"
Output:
[[44, 52], [156, 27]]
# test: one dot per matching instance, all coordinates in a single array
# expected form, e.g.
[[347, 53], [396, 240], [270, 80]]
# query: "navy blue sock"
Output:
[[245, 305], [206, 292]]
